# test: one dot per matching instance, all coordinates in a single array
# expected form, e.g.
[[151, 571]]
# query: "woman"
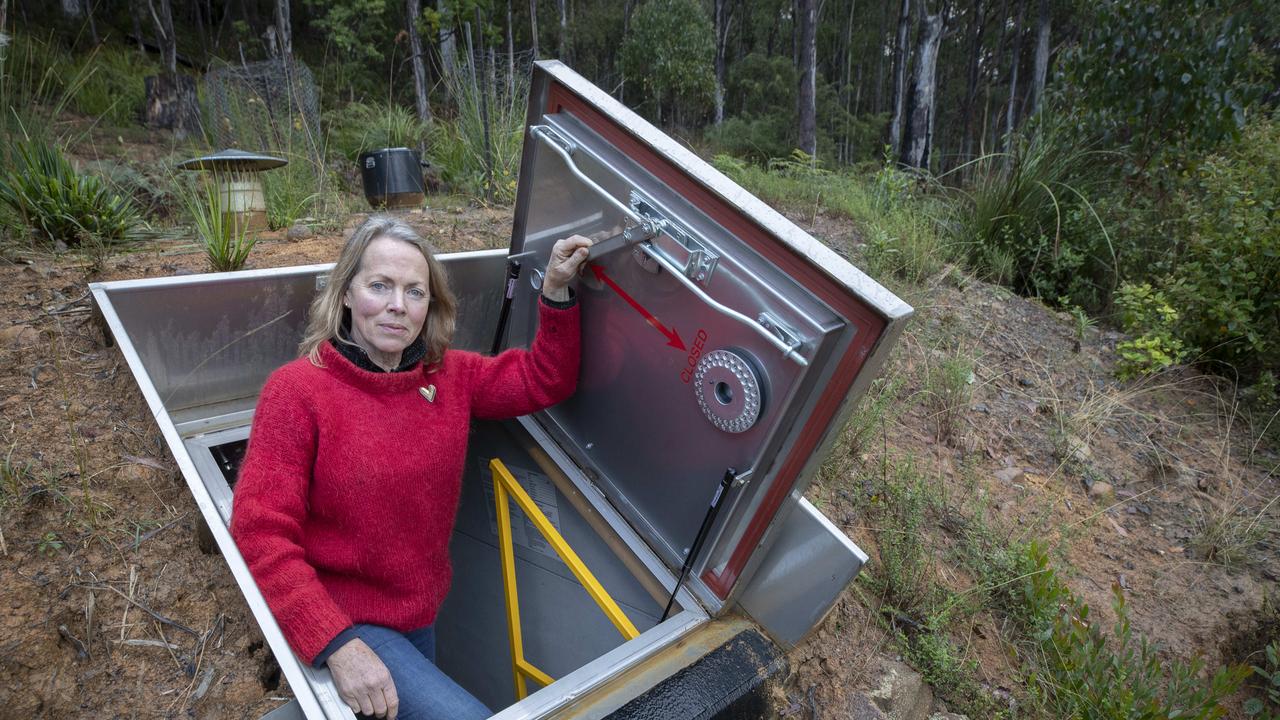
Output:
[[346, 499]]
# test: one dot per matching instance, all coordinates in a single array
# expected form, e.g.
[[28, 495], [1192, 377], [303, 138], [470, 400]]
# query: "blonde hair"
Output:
[[327, 311]]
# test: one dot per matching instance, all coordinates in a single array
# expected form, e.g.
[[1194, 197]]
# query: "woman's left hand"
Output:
[[567, 258]]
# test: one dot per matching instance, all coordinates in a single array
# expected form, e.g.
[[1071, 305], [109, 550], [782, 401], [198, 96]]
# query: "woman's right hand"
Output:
[[363, 681]]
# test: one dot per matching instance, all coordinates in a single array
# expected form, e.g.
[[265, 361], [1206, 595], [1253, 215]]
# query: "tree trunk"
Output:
[[562, 47], [1041, 71], [135, 12], [201, 29], [991, 128], [1010, 119], [722, 38], [162, 16], [413, 8], [846, 86], [284, 30], [899, 78], [511, 56], [879, 48], [533, 25], [448, 41], [807, 17], [918, 140], [172, 104], [976, 30], [93, 26]]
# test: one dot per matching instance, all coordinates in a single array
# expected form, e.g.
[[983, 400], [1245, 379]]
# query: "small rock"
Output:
[[862, 708], [1101, 491], [299, 231], [1010, 474], [982, 408], [948, 716], [902, 693]]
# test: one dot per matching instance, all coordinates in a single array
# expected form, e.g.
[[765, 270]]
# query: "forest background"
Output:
[[1117, 161], [1113, 158]]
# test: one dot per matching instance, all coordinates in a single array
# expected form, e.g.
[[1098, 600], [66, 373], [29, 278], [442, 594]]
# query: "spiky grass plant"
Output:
[[458, 147], [225, 238], [61, 205], [1028, 221]]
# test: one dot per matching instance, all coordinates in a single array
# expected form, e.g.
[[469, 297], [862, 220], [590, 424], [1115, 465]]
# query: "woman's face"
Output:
[[388, 299]]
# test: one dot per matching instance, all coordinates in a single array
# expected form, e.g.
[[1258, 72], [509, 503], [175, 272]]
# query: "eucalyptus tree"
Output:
[[917, 141], [670, 52], [806, 98]]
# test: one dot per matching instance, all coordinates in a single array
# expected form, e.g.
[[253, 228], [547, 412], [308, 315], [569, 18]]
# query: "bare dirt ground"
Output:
[[111, 611]]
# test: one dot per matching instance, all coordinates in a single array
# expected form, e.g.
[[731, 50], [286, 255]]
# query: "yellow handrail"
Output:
[[504, 484]]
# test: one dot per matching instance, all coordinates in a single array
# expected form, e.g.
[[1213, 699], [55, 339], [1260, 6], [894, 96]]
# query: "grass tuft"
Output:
[[61, 205]]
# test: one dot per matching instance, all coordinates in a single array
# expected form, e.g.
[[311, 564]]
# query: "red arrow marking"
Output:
[[673, 337]]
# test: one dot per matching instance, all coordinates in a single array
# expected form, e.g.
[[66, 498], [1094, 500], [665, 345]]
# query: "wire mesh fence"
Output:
[[266, 106]]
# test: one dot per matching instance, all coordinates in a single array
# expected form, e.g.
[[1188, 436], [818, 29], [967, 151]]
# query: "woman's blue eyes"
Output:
[[381, 287]]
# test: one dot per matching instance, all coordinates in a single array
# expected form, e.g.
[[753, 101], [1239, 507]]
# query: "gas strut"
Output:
[[729, 476], [513, 274]]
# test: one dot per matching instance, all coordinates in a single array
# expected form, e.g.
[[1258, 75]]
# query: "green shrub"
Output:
[[668, 53], [1225, 274], [458, 146], [1152, 74], [1082, 671], [359, 127], [1120, 676], [61, 205], [1268, 685], [951, 674], [1147, 313], [148, 185], [947, 390], [759, 138], [293, 191], [904, 575], [1027, 219], [113, 88]]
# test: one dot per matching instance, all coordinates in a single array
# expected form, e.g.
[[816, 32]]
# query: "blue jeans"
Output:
[[425, 692]]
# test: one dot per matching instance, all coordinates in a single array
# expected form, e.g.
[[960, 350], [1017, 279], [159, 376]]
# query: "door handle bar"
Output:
[[565, 149], [789, 349], [649, 228]]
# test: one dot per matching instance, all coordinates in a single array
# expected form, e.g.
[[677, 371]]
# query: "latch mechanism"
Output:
[[700, 261]]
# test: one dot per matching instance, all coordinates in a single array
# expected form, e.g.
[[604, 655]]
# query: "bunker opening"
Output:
[[722, 350]]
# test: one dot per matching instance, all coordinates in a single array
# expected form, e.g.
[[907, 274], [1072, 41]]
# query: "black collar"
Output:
[[409, 359]]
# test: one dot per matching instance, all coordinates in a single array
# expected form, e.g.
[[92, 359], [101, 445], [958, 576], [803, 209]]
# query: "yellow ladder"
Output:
[[504, 486]]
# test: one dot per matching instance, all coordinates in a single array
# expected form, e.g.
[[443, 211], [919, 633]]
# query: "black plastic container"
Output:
[[392, 177]]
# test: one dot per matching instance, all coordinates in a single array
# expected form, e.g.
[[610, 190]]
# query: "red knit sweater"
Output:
[[346, 498]]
